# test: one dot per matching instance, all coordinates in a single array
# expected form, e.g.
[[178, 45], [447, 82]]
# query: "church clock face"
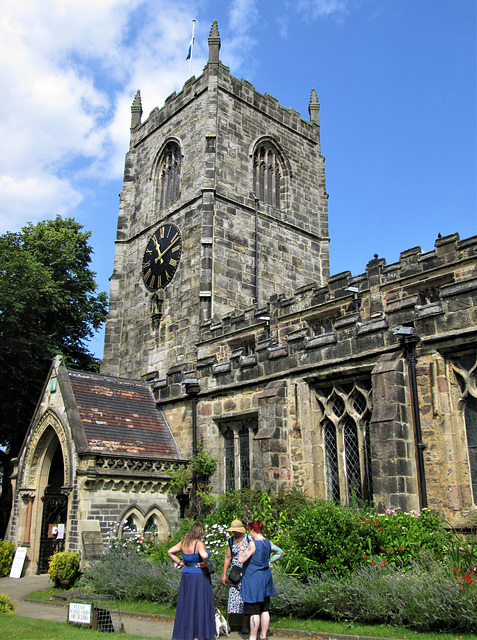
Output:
[[161, 257]]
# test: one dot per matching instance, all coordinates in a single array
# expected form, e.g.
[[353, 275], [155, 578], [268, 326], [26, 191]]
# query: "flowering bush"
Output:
[[215, 540], [398, 537], [132, 542]]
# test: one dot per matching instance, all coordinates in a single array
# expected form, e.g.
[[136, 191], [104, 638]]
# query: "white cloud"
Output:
[[319, 8], [69, 70], [242, 17], [36, 197]]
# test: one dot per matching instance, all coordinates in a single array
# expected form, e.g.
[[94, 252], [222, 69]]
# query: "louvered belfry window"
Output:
[[169, 175], [267, 175], [346, 411]]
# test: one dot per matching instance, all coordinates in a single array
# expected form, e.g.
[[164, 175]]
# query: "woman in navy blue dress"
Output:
[[257, 582], [195, 612]]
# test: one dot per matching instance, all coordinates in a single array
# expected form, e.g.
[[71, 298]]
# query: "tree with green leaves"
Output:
[[49, 305]]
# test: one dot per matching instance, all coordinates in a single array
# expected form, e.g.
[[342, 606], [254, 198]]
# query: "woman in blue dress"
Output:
[[257, 582], [195, 612]]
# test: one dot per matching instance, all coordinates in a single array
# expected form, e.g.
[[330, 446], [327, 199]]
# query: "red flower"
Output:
[[400, 548], [364, 555], [454, 569], [392, 550], [379, 528], [366, 522], [382, 548], [373, 563]]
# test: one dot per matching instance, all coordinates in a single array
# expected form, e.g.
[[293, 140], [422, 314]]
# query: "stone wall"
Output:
[[277, 380]]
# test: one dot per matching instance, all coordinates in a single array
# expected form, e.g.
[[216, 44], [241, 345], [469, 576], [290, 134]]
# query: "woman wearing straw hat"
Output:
[[239, 538]]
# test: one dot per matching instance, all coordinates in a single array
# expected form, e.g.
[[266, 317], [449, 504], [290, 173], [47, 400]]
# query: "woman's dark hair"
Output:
[[256, 525]]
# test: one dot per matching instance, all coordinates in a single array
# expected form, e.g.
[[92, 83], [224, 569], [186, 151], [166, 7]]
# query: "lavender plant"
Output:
[[132, 577], [422, 598]]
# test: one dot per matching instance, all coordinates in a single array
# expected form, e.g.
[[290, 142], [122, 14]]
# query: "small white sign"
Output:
[[79, 613], [18, 561], [60, 532]]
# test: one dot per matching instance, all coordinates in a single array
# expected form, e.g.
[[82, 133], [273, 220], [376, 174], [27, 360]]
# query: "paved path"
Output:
[[135, 624]]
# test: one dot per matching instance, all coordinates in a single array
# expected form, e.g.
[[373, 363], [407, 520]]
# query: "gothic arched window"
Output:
[[466, 369], [268, 175], [169, 174], [470, 414], [346, 411], [238, 457]]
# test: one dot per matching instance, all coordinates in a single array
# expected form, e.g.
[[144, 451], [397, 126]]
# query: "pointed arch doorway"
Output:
[[55, 508], [45, 483]]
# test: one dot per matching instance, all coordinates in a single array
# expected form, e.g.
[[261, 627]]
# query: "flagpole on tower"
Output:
[[191, 48]]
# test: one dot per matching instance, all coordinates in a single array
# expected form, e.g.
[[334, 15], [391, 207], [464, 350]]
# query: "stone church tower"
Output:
[[223, 206]]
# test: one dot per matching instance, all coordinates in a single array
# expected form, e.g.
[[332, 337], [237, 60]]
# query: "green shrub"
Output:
[[7, 551], [328, 535], [400, 537], [333, 537], [277, 511], [64, 568], [6, 605]]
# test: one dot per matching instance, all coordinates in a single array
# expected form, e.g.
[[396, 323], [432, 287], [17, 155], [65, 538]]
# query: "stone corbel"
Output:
[[157, 303]]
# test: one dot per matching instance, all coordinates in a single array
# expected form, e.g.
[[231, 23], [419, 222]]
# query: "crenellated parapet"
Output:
[[349, 322], [215, 75]]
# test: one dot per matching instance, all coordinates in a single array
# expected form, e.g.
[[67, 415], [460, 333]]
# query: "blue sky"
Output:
[[396, 80]]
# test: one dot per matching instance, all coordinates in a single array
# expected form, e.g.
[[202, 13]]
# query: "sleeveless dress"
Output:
[[195, 612], [235, 602], [257, 581]]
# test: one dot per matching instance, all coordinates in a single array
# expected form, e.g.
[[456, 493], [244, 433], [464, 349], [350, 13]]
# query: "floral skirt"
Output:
[[235, 604]]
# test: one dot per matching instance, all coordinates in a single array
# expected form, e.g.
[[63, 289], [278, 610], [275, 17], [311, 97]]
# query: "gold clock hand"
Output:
[[158, 248], [174, 241]]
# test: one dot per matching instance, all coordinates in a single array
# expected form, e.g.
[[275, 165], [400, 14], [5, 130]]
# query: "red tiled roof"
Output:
[[120, 416]]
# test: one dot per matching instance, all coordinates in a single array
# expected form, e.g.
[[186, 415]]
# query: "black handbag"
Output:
[[208, 568], [235, 575]]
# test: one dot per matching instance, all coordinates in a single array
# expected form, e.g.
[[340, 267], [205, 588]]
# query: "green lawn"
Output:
[[277, 623], [14, 627]]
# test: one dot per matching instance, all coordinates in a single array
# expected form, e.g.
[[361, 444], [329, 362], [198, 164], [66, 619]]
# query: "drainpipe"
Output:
[[257, 201]]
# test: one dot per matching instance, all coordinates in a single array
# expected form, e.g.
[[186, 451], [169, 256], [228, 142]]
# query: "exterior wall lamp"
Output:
[[266, 320]]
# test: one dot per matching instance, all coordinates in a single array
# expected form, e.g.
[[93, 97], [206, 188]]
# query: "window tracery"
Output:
[[346, 412], [466, 370]]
